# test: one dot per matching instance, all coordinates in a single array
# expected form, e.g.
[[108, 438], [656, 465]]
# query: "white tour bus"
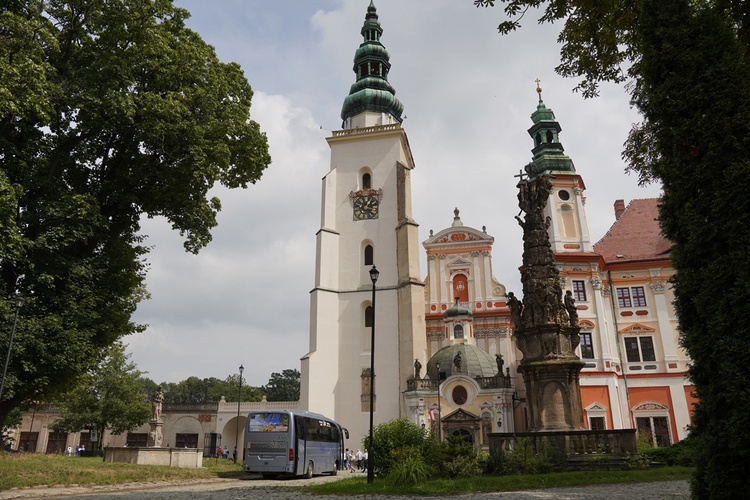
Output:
[[296, 443]]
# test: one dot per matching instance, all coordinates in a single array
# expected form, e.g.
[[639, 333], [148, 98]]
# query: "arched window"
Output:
[[368, 317], [550, 137], [458, 332], [369, 259], [537, 139], [366, 181]]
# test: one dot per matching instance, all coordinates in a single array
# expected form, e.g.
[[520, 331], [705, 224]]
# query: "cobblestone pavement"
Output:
[[257, 488]]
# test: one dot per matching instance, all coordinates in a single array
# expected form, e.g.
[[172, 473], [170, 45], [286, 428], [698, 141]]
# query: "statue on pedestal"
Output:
[[156, 403]]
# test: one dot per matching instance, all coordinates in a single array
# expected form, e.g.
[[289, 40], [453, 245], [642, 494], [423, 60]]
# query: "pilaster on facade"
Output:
[[665, 327]]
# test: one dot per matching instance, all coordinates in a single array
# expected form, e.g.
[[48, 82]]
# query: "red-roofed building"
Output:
[[636, 372]]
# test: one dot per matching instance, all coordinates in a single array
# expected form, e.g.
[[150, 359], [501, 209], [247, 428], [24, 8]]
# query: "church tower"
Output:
[[366, 221], [568, 230]]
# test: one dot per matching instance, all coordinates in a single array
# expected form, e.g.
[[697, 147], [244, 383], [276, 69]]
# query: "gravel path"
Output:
[[255, 487]]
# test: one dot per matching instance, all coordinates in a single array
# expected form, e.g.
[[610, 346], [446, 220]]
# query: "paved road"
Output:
[[255, 487]]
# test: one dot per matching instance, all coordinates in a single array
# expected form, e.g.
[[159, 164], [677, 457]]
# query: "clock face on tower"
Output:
[[366, 207]]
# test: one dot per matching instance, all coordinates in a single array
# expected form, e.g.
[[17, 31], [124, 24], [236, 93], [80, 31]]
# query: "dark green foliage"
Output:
[[525, 459], [12, 421], [679, 454], [390, 438], [408, 467], [209, 390], [108, 397], [109, 111], [284, 386], [689, 79], [694, 93], [453, 458]]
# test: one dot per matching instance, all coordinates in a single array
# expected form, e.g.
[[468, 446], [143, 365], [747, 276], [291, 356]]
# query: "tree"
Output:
[[284, 386], [694, 94], [108, 397], [110, 110], [208, 390], [689, 78]]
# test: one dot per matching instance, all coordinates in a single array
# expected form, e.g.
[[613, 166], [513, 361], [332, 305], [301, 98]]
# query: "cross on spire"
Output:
[[521, 175], [539, 88]]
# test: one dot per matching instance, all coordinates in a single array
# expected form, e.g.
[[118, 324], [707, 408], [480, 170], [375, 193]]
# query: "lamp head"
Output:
[[242, 368], [19, 301], [374, 273]]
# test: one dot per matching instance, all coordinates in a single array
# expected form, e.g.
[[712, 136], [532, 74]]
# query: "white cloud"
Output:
[[468, 95]]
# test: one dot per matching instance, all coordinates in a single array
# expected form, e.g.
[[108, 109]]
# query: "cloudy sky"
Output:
[[467, 92]]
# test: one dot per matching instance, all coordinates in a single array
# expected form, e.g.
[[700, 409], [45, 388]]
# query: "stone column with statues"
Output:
[[545, 331], [156, 436]]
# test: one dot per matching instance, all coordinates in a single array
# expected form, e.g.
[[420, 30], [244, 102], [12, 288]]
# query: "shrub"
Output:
[[390, 437], [495, 464], [524, 459], [681, 453], [408, 468]]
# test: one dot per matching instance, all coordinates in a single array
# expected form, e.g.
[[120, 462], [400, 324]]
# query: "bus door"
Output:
[[300, 455]]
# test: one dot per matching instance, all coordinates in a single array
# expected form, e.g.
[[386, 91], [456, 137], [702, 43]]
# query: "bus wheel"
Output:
[[309, 470], [335, 468]]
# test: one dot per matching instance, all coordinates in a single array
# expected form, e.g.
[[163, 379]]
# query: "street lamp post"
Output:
[[19, 303], [374, 273], [237, 429], [440, 410]]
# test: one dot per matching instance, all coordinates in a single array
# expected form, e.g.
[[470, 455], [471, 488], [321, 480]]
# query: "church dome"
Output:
[[474, 362], [457, 311]]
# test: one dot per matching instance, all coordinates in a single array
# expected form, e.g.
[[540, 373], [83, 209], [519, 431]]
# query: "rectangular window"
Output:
[[579, 290], [647, 349], [639, 349], [631, 297], [186, 440], [28, 441], [587, 346], [657, 428], [268, 422], [623, 297], [56, 442], [631, 349], [639, 296], [137, 439], [597, 423]]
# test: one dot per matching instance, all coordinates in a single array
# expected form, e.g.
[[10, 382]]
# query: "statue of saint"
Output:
[[457, 361], [570, 306], [417, 368], [515, 310], [500, 363], [156, 402]]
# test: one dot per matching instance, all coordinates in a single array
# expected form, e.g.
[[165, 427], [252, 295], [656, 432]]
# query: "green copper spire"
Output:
[[549, 154], [371, 91]]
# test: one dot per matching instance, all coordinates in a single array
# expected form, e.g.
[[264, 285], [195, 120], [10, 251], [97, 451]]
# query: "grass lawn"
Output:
[[359, 486], [25, 470]]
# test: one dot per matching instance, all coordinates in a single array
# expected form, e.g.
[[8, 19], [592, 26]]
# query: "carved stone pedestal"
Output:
[[155, 437]]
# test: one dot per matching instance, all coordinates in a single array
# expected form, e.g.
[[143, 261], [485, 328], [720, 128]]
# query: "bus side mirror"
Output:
[[346, 432]]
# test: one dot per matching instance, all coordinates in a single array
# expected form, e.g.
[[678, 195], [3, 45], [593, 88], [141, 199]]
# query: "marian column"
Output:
[[546, 326]]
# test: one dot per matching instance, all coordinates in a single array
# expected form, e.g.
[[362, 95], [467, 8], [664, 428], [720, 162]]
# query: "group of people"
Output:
[[80, 449], [356, 460], [222, 452]]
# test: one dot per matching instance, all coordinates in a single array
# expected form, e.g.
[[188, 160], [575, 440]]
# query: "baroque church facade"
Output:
[[445, 355]]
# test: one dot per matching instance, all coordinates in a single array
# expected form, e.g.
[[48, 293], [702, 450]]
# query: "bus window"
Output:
[[268, 422]]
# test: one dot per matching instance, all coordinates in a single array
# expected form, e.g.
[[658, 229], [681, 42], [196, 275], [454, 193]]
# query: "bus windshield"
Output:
[[268, 422]]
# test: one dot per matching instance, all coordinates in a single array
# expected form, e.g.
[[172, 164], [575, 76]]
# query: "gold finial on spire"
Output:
[[539, 89]]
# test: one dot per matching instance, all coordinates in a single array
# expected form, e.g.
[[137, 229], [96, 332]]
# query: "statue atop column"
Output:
[[545, 325]]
